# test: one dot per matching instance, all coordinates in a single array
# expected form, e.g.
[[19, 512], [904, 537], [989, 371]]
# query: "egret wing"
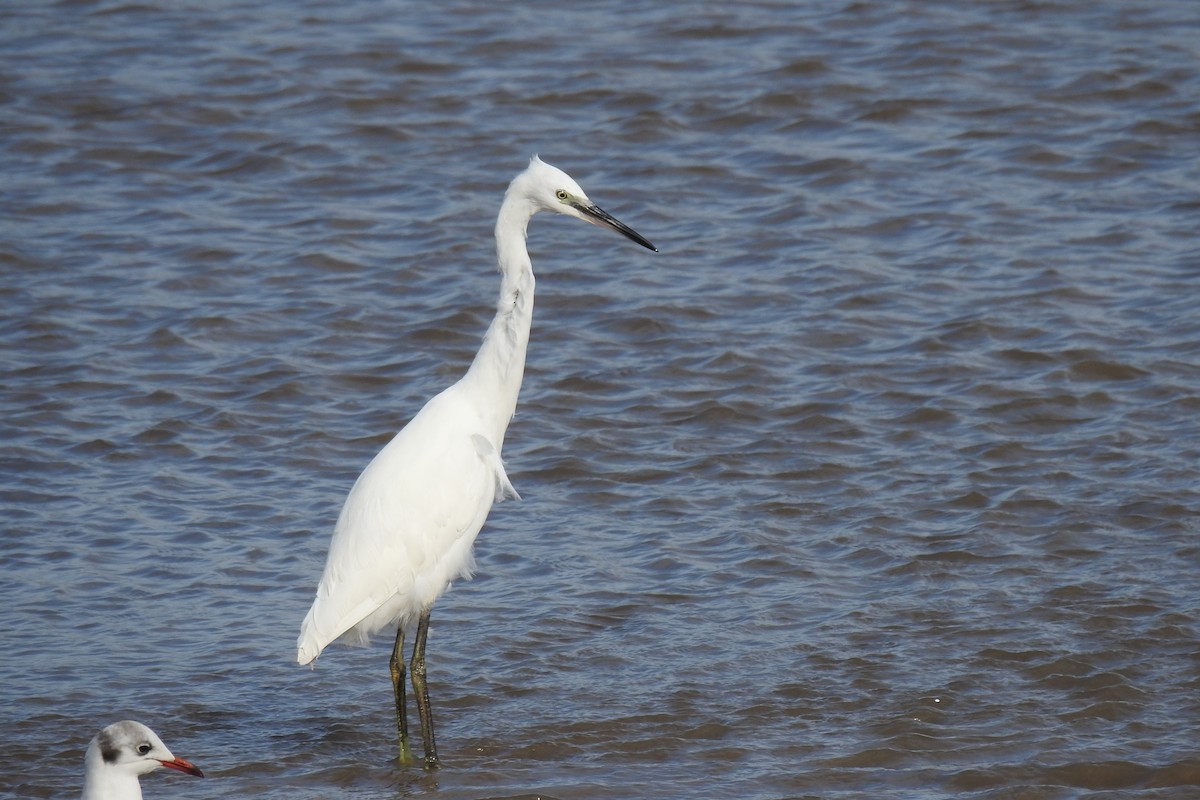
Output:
[[407, 527]]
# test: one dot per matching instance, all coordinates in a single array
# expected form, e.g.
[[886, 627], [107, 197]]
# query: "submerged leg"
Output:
[[397, 667], [417, 667]]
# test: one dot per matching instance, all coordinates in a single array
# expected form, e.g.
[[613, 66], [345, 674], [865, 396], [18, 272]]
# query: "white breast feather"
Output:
[[408, 525]]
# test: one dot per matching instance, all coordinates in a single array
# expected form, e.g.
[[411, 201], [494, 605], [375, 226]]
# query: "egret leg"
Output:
[[396, 664], [417, 667]]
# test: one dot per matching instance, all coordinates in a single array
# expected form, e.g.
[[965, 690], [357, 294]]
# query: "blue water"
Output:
[[880, 480]]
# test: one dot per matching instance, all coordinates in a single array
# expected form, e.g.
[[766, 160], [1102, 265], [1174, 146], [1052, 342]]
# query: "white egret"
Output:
[[122, 753], [410, 521]]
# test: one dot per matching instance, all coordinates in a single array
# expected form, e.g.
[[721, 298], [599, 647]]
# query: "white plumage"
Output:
[[408, 525], [119, 755]]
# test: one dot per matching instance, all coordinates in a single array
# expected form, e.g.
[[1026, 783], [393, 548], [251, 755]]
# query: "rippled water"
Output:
[[879, 481]]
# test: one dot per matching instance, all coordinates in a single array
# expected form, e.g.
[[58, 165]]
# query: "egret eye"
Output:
[[561, 194], [144, 748]]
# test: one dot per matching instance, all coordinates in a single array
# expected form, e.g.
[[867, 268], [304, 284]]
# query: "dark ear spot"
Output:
[[108, 748]]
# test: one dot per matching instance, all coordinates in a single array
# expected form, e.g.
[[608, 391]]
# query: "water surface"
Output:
[[880, 480]]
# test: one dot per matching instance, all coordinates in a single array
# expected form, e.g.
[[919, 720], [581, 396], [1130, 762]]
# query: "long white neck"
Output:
[[495, 375], [103, 782]]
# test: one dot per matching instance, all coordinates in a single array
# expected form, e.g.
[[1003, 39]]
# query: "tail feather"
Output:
[[308, 646]]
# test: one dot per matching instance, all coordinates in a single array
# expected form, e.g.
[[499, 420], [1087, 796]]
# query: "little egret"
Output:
[[119, 755], [409, 523]]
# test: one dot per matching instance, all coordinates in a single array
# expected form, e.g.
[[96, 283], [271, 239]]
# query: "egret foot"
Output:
[[406, 758]]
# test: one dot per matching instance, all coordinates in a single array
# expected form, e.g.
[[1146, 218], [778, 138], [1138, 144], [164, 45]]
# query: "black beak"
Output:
[[599, 216]]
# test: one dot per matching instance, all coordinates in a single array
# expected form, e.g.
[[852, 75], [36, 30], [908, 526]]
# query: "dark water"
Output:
[[881, 480]]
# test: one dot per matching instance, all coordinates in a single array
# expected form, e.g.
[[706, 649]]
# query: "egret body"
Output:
[[122, 753], [410, 521]]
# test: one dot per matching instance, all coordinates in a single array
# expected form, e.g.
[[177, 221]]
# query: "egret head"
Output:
[[551, 189]]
